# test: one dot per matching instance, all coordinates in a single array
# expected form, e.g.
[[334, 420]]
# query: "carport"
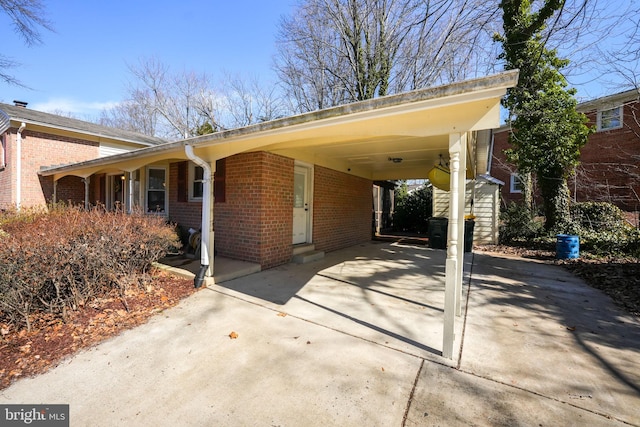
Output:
[[395, 137]]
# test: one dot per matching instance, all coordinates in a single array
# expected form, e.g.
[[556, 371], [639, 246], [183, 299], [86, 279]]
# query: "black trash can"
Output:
[[438, 232], [468, 234]]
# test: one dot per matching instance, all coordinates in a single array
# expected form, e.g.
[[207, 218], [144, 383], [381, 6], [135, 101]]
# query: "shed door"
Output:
[[301, 211]]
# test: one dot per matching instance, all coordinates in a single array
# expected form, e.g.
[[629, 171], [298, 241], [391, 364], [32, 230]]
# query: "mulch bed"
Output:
[[26, 353]]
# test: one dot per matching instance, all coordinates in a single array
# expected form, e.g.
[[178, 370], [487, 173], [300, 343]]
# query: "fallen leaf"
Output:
[[233, 335], [281, 314], [308, 342], [571, 328], [382, 369]]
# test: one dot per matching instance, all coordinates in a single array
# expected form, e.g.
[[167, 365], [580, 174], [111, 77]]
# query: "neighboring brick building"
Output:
[[47, 139], [609, 167]]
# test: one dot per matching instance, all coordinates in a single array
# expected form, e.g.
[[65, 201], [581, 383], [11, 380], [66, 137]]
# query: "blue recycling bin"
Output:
[[567, 246]]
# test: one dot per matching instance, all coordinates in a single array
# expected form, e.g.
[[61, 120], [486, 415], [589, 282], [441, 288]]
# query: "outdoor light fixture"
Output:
[[440, 176], [395, 159]]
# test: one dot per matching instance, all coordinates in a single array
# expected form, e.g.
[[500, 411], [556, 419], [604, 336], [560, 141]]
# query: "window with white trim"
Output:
[[196, 181], [515, 183], [610, 118], [156, 189]]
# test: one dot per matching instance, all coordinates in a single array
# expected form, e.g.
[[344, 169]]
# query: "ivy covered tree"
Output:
[[547, 130]]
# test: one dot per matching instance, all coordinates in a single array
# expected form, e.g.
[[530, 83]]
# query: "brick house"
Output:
[[32, 139], [302, 180], [609, 167], [262, 192]]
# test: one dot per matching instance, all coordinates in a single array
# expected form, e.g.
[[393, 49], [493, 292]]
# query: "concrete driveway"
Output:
[[355, 340]]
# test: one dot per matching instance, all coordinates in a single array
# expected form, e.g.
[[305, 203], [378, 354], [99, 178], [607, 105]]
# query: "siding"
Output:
[[486, 209], [109, 149]]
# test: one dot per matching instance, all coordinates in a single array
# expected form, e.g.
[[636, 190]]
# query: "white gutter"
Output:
[[206, 214], [19, 164]]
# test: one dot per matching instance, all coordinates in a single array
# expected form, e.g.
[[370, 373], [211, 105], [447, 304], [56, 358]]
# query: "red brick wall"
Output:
[[501, 169], [70, 189], [39, 149], [610, 163], [609, 167], [255, 223], [187, 214], [342, 207]]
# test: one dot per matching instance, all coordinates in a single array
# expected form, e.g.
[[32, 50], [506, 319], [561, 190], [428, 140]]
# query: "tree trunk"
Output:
[[556, 199]]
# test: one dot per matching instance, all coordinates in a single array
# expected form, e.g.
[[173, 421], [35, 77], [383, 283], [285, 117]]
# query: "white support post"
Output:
[[451, 264], [207, 254], [130, 195], [86, 192], [55, 192], [211, 200], [462, 196]]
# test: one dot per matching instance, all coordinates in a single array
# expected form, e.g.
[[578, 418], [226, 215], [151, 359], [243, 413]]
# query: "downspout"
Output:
[[19, 164], [206, 214]]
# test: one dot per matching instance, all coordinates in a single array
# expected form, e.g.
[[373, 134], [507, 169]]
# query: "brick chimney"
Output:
[[22, 104]]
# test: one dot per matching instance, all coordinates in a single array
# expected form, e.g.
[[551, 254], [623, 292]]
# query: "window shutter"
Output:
[[183, 184], [219, 185]]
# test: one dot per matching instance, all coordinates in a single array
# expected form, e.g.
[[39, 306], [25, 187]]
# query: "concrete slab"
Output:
[[449, 397], [391, 294], [182, 368], [536, 327], [354, 339], [224, 268]]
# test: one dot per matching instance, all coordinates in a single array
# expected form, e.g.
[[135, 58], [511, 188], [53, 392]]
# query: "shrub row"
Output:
[[602, 228], [59, 260]]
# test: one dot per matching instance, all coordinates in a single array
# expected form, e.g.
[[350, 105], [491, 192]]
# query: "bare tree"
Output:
[[185, 104], [336, 51], [28, 18], [248, 101], [330, 52], [163, 104], [621, 60]]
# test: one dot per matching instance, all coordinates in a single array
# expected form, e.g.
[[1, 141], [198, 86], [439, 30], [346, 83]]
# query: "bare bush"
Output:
[[58, 261]]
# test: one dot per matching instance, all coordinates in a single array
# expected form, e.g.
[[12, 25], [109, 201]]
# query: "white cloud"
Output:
[[73, 107]]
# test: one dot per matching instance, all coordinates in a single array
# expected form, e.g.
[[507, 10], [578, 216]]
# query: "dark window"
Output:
[[197, 185]]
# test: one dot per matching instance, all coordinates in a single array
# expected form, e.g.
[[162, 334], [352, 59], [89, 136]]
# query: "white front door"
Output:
[[301, 209]]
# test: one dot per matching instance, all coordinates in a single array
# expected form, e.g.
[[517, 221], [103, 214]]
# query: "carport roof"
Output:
[[361, 138]]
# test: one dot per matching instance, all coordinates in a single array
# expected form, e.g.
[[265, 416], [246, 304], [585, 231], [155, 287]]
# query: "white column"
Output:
[[451, 264], [130, 195], [462, 195], [211, 201]]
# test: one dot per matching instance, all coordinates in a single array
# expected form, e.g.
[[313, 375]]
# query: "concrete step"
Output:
[[302, 248], [307, 257]]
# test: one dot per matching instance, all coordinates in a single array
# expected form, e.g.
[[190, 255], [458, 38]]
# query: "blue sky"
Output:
[[82, 67]]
